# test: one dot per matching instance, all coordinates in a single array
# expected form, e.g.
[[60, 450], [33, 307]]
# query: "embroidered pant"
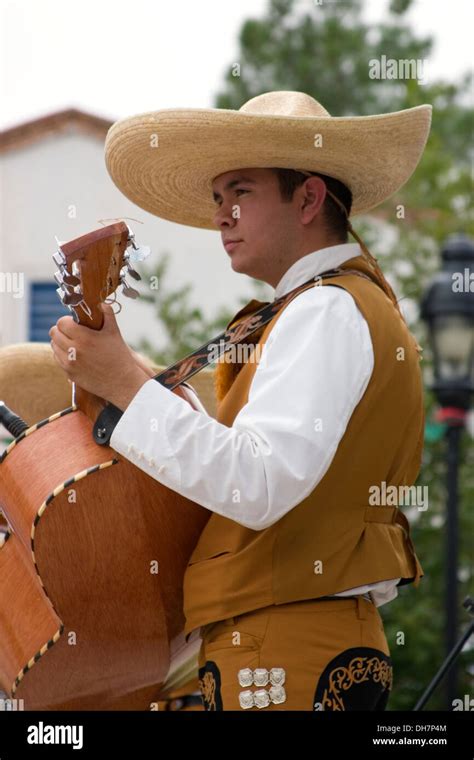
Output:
[[310, 655]]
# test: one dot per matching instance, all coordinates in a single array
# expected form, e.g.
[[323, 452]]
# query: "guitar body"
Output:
[[91, 573]]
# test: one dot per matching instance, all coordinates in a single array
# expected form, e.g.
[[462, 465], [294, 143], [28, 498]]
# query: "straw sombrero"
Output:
[[165, 161]]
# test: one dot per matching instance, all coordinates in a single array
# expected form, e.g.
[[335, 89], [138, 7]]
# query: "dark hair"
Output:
[[336, 222]]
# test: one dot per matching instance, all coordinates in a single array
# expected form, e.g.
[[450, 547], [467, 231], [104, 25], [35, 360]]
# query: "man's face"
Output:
[[249, 208]]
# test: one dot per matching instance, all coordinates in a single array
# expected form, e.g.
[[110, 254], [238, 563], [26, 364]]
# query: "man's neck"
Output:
[[314, 263], [308, 248]]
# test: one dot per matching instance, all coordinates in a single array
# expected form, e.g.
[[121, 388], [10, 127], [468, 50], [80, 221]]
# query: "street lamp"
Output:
[[447, 307]]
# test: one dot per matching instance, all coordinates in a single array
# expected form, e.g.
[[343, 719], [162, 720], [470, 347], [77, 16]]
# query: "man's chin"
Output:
[[238, 264], [241, 261]]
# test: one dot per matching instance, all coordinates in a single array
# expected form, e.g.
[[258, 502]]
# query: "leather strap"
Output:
[[185, 368]]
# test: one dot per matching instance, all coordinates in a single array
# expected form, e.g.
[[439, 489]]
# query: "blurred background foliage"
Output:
[[324, 50]]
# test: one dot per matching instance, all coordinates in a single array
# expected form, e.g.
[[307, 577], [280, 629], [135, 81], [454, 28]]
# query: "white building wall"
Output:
[[42, 183]]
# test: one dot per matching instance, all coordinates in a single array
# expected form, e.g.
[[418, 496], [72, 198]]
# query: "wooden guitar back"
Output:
[[91, 576]]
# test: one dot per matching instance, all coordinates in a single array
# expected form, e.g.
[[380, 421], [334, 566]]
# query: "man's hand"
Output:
[[99, 361], [180, 391], [142, 363]]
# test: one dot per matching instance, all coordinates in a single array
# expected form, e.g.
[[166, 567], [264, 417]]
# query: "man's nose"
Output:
[[223, 215]]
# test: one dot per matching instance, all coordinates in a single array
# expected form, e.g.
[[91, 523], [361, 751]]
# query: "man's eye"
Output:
[[238, 190]]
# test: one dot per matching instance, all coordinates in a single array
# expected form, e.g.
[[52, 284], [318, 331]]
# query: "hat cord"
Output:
[[371, 260]]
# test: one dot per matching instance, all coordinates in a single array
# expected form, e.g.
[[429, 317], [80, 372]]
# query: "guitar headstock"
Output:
[[92, 267]]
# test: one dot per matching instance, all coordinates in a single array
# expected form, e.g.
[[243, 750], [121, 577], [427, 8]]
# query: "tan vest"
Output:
[[334, 539]]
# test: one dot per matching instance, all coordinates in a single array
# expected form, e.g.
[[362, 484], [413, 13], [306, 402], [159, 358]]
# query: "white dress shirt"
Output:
[[284, 438]]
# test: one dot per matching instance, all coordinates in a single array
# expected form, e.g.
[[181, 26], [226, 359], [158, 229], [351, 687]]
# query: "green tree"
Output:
[[324, 49], [185, 325]]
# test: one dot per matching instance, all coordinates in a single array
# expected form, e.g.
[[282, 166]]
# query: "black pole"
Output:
[[447, 309], [453, 436], [450, 659]]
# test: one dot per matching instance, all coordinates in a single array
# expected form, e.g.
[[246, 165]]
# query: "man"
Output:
[[288, 573]]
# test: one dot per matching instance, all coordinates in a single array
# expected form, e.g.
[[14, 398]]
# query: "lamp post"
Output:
[[447, 307]]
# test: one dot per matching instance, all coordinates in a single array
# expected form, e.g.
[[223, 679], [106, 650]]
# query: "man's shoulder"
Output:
[[323, 297]]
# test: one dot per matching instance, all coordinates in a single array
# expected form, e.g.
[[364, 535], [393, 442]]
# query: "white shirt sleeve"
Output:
[[313, 371], [193, 397]]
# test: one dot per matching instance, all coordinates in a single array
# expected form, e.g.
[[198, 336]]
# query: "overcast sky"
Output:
[[115, 58]]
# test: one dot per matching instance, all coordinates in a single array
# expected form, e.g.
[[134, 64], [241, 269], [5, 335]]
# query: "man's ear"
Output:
[[314, 195]]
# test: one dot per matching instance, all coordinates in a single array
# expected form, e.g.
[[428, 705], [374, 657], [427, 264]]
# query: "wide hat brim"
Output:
[[165, 161]]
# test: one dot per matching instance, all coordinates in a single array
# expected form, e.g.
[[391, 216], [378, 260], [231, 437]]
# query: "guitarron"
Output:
[[94, 550]]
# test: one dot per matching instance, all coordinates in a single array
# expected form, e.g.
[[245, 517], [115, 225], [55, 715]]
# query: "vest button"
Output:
[[260, 677], [262, 698], [245, 677], [246, 699], [277, 695], [277, 676]]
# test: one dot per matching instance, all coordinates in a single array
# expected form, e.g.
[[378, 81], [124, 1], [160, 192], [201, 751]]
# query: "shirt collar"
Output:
[[315, 263]]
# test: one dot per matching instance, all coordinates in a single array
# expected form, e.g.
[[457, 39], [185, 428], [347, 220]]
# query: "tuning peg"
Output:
[[71, 279], [69, 299], [59, 258], [62, 296], [74, 314], [64, 278], [133, 273], [72, 299], [139, 252], [127, 290], [58, 276]]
